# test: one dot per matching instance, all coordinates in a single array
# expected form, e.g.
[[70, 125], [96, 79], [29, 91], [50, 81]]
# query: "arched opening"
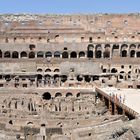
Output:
[[39, 70], [58, 94], [7, 77], [57, 54], [79, 78], [23, 54], [56, 70], [31, 55], [98, 54], [87, 78], [124, 53], [40, 54], [104, 70], [121, 74], [73, 55], [48, 70], [7, 54], [78, 95], [32, 47], [90, 54], [46, 96], [65, 54], [81, 54], [15, 54], [106, 54], [90, 51], [114, 70], [39, 77], [64, 78], [138, 54], [132, 53], [69, 94], [48, 54]]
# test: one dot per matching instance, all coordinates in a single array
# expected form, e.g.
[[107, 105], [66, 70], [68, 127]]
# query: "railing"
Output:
[[123, 106]]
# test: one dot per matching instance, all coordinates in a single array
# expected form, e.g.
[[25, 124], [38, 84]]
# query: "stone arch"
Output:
[[40, 54], [48, 70], [7, 54], [73, 54], [48, 54], [90, 51], [69, 94], [124, 53], [98, 54], [58, 94], [114, 70], [46, 96], [79, 78], [132, 53], [78, 94], [65, 54], [81, 54], [39, 70], [121, 74], [23, 54], [31, 55], [56, 70], [87, 78], [138, 54], [64, 78], [107, 51], [104, 70], [124, 50], [31, 47], [15, 54], [57, 54]]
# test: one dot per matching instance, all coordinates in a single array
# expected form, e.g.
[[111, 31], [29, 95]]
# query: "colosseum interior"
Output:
[[50, 66]]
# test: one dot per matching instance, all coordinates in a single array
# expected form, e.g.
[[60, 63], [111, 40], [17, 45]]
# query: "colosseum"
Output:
[[69, 77]]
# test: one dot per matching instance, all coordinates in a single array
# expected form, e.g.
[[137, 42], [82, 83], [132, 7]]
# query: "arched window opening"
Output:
[[114, 70], [78, 95], [56, 70], [79, 78], [40, 54], [132, 53], [87, 78], [46, 96], [7, 54], [48, 70], [39, 77], [69, 94], [57, 54], [31, 47], [104, 70], [23, 54], [39, 70], [58, 94], [31, 55], [63, 78], [90, 54], [124, 53], [81, 54], [48, 54], [15, 54], [7, 77], [98, 54], [138, 54], [106, 54], [0, 54], [73, 55], [65, 54]]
